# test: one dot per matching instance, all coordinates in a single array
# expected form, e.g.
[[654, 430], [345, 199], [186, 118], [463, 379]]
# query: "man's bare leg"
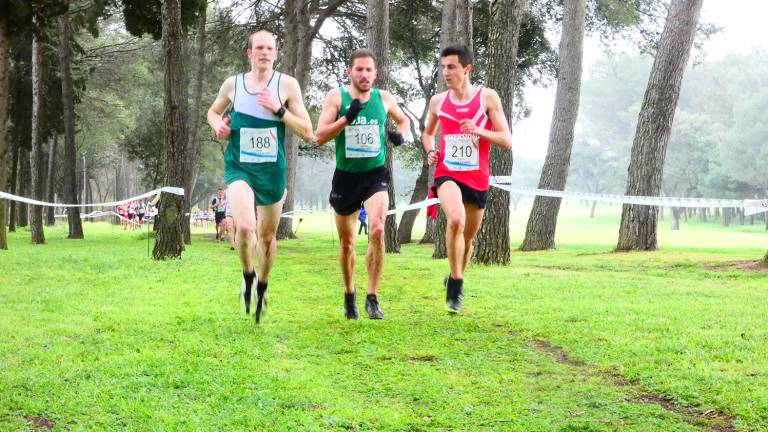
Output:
[[455, 214], [474, 219], [450, 201], [376, 208], [269, 218], [242, 203], [266, 249], [345, 226], [245, 222]]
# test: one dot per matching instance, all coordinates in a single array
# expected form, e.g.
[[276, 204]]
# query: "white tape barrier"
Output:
[[95, 214], [751, 207], [414, 206], [169, 189]]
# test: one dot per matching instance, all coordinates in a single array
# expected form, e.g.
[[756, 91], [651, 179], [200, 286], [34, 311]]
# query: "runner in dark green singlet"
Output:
[[355, 117]]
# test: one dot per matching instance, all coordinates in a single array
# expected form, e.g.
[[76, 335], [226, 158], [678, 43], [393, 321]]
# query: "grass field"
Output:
[[96, 336]]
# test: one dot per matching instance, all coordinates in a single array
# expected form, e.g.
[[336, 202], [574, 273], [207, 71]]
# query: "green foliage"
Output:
[[145, 16], [21, 89]]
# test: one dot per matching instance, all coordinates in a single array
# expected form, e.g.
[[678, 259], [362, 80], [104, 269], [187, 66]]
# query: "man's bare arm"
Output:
[[500, 135], [397, 114], [296, 116], [223, 99], [428, 136], [328, 126]]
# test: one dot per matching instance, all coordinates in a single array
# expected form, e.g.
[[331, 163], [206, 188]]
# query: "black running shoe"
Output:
[[372, 307], [350, 306], [454, 294], [261, 302]]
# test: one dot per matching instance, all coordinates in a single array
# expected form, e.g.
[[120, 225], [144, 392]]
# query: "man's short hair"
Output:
[[361, 53], [250, 38], [461, 51]]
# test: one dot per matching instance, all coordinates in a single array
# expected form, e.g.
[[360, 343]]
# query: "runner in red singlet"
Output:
[[471, 118]]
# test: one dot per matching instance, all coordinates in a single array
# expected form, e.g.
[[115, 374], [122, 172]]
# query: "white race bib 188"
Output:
[[461, 152], [258, 145], [362, 141]]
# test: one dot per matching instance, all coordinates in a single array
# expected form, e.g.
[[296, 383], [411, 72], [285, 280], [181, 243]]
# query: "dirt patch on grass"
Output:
[[747, 266], [40, 423], [557, 353], [423, 358], [710, 419]]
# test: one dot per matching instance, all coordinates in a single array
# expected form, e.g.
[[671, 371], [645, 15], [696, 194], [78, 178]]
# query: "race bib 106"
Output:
[[462, 152], [258, 145], [362, 141]]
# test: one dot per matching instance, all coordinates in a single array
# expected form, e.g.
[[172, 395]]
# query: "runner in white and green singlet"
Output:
[[264, 103]]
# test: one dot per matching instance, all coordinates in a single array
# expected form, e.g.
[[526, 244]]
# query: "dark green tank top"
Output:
[[362, 146]]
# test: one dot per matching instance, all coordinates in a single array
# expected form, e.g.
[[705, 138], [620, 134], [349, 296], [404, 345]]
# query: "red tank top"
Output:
[[464, 157]]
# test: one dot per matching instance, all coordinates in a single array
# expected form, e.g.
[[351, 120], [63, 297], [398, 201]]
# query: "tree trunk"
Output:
[[189, 170], [49, 186], [542, 223], [430, 231], [592, 210], [377, 36], [726, 216], [646, 166], [25, 181], [717, 212], [456, 28], [492, 244], [14, 175], [703, 214], [70, 151], [5, 81], [685, 214], [36, 156], [740, 212], [675, 218], [661, 213], [298, 57], [169, 242], [420, 190], [441, 248]]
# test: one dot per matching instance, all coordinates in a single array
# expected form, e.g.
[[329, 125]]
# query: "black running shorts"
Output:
[[350, 189], [468, 195]]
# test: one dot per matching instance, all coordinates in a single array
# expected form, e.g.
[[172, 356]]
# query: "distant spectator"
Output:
[[362, 217]]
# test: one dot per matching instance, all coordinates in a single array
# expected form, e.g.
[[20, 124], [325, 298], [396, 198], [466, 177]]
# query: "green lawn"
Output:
[[96, 336]]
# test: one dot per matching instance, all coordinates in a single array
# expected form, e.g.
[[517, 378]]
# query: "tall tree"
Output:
[[455, 29], [542, 222], [49, 182], [70, 151], [197, 96], [36, 156], [377, 36], [646, 166], [492, 243], [5, 81], [170, 241], [303, 21]]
